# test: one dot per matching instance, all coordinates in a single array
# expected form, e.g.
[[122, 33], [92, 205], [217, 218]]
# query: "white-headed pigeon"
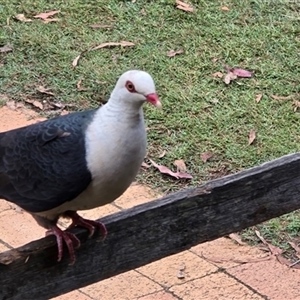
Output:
[[78, 161]]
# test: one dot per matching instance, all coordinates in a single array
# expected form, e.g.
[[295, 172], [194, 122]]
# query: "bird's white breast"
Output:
[[115, 150]]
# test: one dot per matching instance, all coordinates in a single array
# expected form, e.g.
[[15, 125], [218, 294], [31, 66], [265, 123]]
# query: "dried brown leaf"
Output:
[[237, 238], [5, 48], [172, 53], [252, 136], [225, 8], [22, 18], [79, 87], [103, 45], [273, 249], [233, 73], [162, 154], [46, 15], [205, 156], [43, 90], [229, 77], [167, 171], [282, 97], [113, 44], [75, 61], [218, 74], [183, 6], [35, 103], [241, 72], [180, 165], [258, 97], [96, 26]]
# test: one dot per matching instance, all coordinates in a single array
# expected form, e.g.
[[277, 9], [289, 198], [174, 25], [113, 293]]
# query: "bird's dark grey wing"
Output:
[[44, 165]]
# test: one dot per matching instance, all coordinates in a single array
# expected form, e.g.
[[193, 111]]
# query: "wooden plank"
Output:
[[154, 230]]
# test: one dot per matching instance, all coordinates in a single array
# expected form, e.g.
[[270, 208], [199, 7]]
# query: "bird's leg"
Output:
[[70, 239], [88, 224]]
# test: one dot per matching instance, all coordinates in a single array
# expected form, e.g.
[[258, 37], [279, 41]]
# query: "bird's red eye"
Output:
[[130, 87]]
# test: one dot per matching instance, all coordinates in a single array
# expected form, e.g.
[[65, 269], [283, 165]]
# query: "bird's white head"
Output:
[[136, 87]]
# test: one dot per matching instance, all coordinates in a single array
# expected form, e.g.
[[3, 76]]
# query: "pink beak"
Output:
[[154, 100]]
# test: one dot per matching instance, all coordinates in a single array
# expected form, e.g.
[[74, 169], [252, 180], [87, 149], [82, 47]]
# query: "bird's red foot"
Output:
[[70, 239], [88, 224]]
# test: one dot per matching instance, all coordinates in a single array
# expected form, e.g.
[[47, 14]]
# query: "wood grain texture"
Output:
[[155, 230]]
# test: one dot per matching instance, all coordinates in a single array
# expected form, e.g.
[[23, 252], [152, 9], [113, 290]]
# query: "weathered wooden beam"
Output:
[[154, 230]]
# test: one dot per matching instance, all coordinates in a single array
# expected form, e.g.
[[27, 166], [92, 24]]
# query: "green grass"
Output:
[[200, 113]]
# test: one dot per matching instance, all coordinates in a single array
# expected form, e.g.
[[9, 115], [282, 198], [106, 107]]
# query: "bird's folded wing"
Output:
[[44, 165]]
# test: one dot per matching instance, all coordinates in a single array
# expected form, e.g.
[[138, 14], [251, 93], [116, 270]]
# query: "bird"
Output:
[[78, 161]]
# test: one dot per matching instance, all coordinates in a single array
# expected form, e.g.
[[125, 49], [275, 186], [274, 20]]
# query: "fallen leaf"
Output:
[[104, 45], [224, 8], [79, 87], [167, 171], [252, 136], [22, 18], [46, 15], [172, 53], [5, 48], [282, 97], [242, 73], [296, 104], [57, 105], [180, 165], [113, 44], [205, 156], [162, 154], [237, 238], [233, 73], [218, 74], [273, 249], [95, 26], [75, 61], [43, 90], [183, 6], [146, 166], [229, 77], [35, 103], [258, 98]]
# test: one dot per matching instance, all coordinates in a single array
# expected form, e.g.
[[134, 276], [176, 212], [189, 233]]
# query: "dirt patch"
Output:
[[18, 117]]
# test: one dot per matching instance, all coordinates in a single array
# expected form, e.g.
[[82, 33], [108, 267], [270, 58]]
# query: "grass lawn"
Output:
[[201, 113]]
